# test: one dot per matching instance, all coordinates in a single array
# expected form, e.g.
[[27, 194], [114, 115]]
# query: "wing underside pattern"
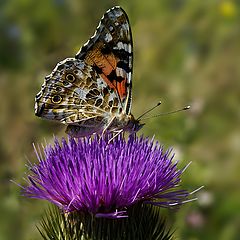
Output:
[[87, 91], [109, 51]]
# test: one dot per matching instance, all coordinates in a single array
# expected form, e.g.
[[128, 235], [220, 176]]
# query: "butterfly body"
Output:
[[117, 124], [91, 93]]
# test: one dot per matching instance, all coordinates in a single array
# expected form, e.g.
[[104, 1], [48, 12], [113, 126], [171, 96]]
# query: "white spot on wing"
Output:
[[101, 84], [82, 94], [124, 46], [120, 72], [112, 96], [120, 45], [111, 28], [129, 77], [129, 48], [108, 37]]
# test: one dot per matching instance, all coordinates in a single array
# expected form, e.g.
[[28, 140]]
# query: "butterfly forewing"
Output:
[[109, 51]]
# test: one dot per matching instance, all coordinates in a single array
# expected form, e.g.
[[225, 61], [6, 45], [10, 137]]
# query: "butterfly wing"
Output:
[[86, 91], [74, 93], [109, 52]]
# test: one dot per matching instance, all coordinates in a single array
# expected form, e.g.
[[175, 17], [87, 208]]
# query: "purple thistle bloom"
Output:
[[105, 178]]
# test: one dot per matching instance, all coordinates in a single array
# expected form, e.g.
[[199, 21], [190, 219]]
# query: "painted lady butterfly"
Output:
[[92, 93]]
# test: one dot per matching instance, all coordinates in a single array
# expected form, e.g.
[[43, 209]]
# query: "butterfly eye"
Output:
[[56, 99], [70, 77]]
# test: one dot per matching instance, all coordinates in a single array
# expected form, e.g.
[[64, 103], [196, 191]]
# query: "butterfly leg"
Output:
[[107, 126], [115, 134]]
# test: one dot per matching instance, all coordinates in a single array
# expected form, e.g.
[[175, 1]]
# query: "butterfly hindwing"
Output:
[[74, 92]]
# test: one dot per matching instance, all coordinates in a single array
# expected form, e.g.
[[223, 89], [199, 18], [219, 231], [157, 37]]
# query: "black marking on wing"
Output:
[[124, 65], [39, 110], [112, 76]]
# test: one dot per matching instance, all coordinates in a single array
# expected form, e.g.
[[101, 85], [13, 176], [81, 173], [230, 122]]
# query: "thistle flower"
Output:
[[103, 178]]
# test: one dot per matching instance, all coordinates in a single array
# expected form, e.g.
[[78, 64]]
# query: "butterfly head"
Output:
[[134, 125]]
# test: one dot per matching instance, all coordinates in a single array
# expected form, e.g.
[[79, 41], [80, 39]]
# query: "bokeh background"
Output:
[[185, 52]]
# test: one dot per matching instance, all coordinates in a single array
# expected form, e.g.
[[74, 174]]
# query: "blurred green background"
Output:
[[185, 52]]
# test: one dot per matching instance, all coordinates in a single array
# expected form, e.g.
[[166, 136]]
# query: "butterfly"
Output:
[[92, 92]]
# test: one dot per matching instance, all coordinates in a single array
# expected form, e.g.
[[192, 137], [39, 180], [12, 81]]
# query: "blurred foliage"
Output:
[[185, 52]]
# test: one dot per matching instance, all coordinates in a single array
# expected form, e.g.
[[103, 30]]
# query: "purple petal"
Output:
[[100, 177]]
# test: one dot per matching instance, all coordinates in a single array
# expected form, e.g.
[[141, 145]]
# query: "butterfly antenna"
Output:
[[167, 113], [149, 110]]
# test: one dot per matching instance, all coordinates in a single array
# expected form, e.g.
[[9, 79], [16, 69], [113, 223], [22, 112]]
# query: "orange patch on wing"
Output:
[[121, 88], [109, 83], [107, 63]]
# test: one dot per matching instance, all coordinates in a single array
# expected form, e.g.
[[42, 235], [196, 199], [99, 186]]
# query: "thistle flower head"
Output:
[[104, 178]]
